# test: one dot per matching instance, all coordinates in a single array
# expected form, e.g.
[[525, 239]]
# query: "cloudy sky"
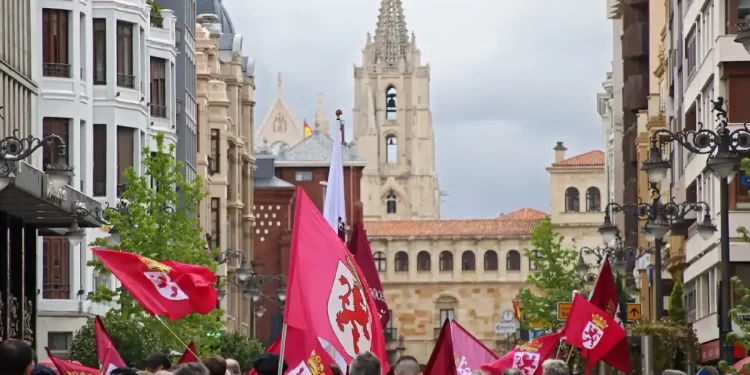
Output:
[[509, 78]]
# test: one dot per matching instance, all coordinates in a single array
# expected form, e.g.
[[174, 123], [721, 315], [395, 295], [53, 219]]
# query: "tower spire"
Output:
[[391, 37], [321, 123]]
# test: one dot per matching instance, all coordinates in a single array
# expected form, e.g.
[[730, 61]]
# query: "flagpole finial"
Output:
[[338, 114]]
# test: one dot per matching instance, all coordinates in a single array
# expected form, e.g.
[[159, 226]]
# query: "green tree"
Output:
[[239, 347], [160, 223], [676, 305], [555, 280], [739, 314], [134, 348]]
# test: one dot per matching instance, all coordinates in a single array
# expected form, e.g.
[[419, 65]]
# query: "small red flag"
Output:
[[592, 330], [327, 296], [528, 357], [163, 288], [457, 352], [305, 355], [190, 354], [108, 356], [604, 296], [68, 367]]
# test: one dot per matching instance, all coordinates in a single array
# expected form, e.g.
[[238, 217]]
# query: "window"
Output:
[[402, 261], [446, 314], [391, 104], [572, 200], [391, 149], [468, 261], [691, 53], [100, 160], [59, 343], [56, 268], [423, 261], [490, 260], [125, 77], [158, 87], [303, 175], [390, 202], [125, 145], [57, 126], [446, 261], [215, 223], [100, 51], [533, 266], [743, 9], [593, 200], [513, 261], [380, 261], [213, 165], [197, 127], [55, 46]]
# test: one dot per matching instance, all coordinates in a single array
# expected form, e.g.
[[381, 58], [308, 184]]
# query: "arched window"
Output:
[[572, 200], [468, 261], [490, 260], [534, 266], [423, 261], [446, 261], [513, 261], [402, 261], [593, 200], [390, 103], [391, 149], [390, 202], [380, 261]]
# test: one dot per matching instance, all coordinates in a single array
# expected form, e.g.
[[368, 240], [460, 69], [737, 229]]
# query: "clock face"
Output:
[[508, 315]]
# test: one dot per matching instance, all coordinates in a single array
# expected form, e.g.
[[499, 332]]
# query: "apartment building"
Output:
[[224, 112], [609, 106], [106, 86], [705, 62]]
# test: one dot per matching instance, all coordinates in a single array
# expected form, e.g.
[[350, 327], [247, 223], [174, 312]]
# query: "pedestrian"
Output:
[[216, 365], [233, 366], [17, 358], [365, 363], [409, 366], [268, 364], [512, 371], [194, 368], [554, 367], [157, 362]]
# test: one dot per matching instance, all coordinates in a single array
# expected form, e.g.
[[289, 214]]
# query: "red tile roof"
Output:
[[517, 223], [590, 159]]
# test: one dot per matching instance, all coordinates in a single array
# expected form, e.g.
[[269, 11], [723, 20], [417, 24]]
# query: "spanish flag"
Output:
[[308, 129]]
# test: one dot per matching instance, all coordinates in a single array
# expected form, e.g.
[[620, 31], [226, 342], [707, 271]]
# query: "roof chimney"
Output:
[[559, 152]]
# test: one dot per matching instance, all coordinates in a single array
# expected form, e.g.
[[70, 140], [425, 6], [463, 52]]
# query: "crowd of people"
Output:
[[18, 358]]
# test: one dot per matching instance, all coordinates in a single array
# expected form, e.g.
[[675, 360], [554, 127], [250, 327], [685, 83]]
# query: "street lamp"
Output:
[[722, 147], [14, 149], [743, 34], [658, 217]]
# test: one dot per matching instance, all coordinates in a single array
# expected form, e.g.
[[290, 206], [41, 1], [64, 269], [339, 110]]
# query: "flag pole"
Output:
[[281, 351], [187, 347]]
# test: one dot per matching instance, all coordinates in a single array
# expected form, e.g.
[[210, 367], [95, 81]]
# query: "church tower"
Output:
[[393, 123]]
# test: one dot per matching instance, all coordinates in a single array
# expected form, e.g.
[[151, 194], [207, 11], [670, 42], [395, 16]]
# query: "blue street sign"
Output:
[[745, 181]]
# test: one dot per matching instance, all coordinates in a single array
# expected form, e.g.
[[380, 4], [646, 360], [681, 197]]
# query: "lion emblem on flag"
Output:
[[349, 312], [165, 286], [527, 362], [594, 331]]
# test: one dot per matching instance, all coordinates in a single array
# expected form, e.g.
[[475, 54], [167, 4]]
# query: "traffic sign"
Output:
[[505, 328], [563, 310], [634, 311]]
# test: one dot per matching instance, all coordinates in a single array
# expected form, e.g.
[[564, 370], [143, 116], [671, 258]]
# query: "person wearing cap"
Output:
[[268, 364]]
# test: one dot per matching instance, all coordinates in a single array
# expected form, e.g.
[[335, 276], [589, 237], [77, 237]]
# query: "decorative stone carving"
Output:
[[28, 333], [13, 317]]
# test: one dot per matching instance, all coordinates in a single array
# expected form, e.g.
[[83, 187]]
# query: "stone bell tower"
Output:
[[393, 123]]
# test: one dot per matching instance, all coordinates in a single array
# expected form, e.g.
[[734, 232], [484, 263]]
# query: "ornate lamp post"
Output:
[[14, 149], [722, 147]]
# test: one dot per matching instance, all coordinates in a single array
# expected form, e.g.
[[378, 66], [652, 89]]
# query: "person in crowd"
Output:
[[675, 372], [408, 366], [554, 367], [42, 370], [124, 371], [480, 372], [162, 372], [512, 371], [157, 362], [216, 365], [35, 358], [711, 370], [365, 363], [191, 369], [268, 364], [17, 358], [233, 366], [336, 370]]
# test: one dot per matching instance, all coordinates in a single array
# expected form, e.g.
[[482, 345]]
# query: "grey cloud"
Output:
[[508, 80]]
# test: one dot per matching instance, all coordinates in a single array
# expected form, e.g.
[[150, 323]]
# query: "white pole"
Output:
[[281, 352]]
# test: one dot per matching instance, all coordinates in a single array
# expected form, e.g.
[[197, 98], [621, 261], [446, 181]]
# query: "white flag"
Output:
[[334, 208]]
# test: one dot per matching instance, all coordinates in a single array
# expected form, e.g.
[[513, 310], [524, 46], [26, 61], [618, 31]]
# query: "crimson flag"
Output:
[[604, 296], [163, 288], [305, 356], [592, 330], [68, 367], [457, 352], [326, 295], [528, 357], [360, 248], [108, 356], [189, 356]]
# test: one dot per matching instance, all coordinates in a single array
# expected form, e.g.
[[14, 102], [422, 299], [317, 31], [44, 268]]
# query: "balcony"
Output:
[[635, 93], [159, 111], [636, 3], [100, 77], [635, 41], [56, 70], [125, 80]]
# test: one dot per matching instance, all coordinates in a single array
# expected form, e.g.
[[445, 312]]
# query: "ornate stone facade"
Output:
[[393, 123]]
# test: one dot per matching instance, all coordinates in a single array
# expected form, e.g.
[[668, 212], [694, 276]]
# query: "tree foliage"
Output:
[[673, 342], [739, 314], [677, 312], [239, 347], [555, 280], [150, 228]]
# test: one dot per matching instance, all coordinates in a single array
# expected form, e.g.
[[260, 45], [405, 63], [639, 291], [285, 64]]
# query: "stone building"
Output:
[[225, 101]]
